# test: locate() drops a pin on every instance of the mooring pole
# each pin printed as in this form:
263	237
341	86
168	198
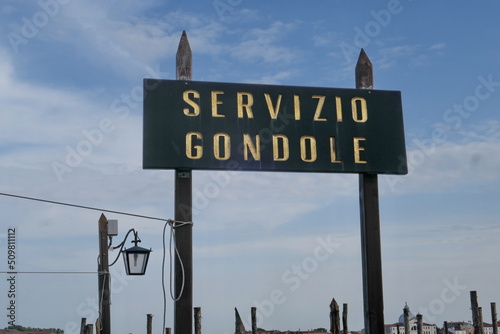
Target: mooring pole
183	308
494	317
475	312
103	278
370	226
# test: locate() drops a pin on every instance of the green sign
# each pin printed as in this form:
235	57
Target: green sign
212	125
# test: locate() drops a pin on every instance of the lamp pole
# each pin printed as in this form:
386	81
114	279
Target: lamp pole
103	272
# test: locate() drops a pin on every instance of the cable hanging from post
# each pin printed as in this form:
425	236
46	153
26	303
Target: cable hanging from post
173	226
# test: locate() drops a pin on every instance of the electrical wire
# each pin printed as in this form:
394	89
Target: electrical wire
48	272
82	206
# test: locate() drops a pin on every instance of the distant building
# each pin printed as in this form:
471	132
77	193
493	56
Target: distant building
488	328
460	327
463	327
290	332
399	327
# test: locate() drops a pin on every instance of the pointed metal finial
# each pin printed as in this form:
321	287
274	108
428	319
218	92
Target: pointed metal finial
364	72
184	59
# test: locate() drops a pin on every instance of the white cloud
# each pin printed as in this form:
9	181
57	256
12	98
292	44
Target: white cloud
276	78
450	166
326	39
262	44
438	47
391	55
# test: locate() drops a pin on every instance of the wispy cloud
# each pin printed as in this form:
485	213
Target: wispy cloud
262	44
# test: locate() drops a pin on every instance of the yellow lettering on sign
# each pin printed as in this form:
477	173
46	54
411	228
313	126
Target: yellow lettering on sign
196	108
358	149
319	107
250	147
193	151
333	151
273	110
244	106
296	107
308	143
222	146
280	143
338	108
357	116
215	103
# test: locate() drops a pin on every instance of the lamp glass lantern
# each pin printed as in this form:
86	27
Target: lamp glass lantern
136	260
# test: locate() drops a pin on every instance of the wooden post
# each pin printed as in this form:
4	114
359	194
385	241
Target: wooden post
149	326
373	298
494	320
239	326
406	312
334	317
103	274
197	320
183	308
475	314
82	325
253	312
89	329
480	319
445	327
420	325
344	319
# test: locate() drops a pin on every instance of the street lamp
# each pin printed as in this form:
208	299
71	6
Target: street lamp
135	258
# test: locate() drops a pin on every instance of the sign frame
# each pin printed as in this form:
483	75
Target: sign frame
192	125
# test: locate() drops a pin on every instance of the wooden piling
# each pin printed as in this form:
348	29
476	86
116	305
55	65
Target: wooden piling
406	315
480	319
183	307
345	327
475	314
89	329
82	325
494	320
445	326
149	325
239	326
334	317
371	254
197	320
253	312
420	324
104	277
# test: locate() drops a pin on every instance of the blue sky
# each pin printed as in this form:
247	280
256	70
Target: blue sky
69	69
